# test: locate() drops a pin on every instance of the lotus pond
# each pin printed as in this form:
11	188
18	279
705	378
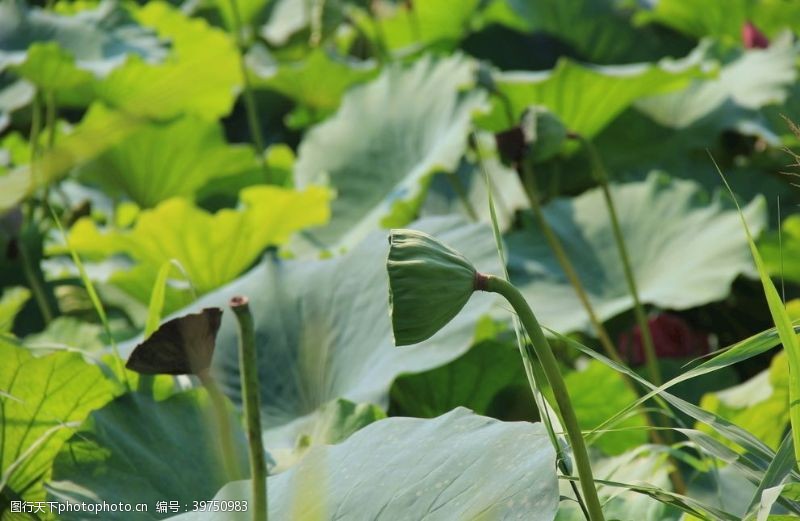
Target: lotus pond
399	260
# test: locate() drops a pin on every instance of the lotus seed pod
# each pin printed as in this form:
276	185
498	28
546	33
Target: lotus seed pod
429	283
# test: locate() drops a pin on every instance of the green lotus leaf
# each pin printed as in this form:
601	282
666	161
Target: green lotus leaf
780	250
685	247
593	407
597	31
130	450
287	19
757	78
457	466
212	248
200	76
429	283
51	68
169	171
646	465
722	20
43	400
58	51
759	404
11	302
68	332
323	330
432	23
316	83
15	93
332	423
585	97
475	380
447	191
417	119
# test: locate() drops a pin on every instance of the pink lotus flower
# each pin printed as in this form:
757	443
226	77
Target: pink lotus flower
753	38
672	337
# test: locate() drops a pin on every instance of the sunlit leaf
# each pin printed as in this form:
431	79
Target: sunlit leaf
49	397
200	75
212	248
760	404
593	406
585	97
130	450
169	170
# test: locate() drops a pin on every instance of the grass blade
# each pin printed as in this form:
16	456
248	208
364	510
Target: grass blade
783	323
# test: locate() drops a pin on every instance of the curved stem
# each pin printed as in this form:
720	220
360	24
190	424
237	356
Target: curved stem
641	317
248	366
249	98
550	367
524	350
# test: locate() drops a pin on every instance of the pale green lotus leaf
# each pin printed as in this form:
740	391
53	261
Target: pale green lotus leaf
686	248
417	118
140	450
57	47
323	330
332	423
15	93
456	466
757	78
11	302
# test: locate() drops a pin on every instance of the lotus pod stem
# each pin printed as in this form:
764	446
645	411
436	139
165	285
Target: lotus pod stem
502	287
248	365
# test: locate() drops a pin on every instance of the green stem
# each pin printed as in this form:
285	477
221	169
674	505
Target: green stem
532	191
550	366
50	111
461	192
248	365
249	98
32	276
524	351
566	265
33	139
223	424
641	317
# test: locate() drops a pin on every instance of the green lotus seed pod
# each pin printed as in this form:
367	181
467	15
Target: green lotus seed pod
429	283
